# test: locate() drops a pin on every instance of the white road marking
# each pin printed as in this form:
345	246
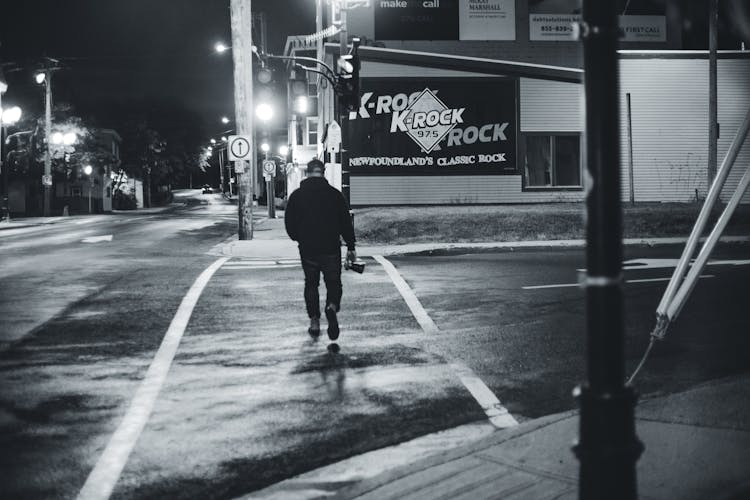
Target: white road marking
106	472
565	285
248	266
497	414
97	239
638	264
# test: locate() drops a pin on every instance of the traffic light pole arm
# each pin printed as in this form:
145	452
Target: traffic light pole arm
313	70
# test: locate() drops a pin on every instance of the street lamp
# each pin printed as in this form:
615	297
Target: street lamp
40	78
221	48
264	111
224	119
265	147
283	150
87	170
212	141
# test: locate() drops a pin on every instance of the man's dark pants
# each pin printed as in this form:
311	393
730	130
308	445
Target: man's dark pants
330	266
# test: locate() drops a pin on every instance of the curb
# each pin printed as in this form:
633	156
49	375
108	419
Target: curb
452	248
501	436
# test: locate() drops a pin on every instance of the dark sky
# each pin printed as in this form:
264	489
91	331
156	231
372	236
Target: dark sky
117	50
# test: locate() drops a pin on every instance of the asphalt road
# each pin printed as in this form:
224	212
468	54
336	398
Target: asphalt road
249	398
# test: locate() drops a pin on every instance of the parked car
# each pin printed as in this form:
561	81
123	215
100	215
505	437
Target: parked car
207	189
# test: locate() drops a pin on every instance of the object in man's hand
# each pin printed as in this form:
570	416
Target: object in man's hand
357	266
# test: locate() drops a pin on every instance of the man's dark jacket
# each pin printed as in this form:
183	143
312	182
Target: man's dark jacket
316	214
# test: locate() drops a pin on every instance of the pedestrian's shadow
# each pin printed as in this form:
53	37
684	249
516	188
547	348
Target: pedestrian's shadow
331	366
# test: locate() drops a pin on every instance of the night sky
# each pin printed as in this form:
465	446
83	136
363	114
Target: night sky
119	51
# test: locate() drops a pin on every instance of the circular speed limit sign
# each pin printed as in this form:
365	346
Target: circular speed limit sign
238	147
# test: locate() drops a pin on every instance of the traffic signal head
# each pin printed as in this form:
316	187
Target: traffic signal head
349	81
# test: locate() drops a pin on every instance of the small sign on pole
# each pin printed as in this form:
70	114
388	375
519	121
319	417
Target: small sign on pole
269	167
333	137
46	180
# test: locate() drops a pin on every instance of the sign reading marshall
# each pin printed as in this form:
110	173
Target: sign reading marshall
446	126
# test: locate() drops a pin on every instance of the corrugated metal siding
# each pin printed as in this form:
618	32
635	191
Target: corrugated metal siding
449	190
669	99
548	106
669	116
734	102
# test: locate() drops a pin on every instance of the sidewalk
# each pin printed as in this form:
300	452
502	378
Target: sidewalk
697	446
697	443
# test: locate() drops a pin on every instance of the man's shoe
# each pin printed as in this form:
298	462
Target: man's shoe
314	329
333	323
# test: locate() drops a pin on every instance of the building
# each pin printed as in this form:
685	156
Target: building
483	103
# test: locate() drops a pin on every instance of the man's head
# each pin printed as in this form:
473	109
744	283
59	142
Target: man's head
315	168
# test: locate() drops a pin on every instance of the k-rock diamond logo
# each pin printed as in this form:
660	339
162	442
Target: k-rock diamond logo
427	120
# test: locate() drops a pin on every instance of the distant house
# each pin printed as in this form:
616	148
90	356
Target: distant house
75	193
73	190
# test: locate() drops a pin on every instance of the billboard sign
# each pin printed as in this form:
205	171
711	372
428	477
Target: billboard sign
553	20
487	20
446	126
416	19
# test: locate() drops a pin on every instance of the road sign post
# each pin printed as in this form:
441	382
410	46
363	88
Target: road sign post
269	172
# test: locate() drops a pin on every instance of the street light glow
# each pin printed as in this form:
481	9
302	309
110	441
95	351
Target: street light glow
40	77
69	138
10	116
220	47
224	119
57	138
283	150
265	147
264	111
213	141
87	170
300	104
224	138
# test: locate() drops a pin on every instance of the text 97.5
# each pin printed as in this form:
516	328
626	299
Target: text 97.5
426	133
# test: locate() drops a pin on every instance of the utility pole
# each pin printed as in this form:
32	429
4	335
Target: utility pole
242	54
221	170
48	138
607	447
713	125
320	56
344	115
4	168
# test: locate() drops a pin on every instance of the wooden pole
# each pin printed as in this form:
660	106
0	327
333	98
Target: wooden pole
242	54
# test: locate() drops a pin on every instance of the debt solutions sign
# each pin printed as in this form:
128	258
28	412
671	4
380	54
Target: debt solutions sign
435	127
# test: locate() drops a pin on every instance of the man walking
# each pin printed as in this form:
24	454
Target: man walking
316	215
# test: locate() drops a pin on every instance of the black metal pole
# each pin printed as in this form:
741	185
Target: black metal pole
607	448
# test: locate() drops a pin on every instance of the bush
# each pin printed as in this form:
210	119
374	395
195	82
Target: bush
124	201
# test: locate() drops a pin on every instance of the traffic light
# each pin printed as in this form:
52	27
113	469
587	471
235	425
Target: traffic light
348	81
298	95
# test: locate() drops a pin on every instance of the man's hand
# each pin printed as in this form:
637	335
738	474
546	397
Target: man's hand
351	256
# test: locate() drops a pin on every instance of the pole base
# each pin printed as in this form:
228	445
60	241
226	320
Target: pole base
608	447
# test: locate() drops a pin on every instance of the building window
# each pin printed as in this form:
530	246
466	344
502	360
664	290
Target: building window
552	160
311	131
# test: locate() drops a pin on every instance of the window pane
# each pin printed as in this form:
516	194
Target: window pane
538	160
567	160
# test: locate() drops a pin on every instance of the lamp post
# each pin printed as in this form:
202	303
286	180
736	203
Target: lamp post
87	170
7	117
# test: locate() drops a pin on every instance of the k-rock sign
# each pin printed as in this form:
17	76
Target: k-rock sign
239	147
406	126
